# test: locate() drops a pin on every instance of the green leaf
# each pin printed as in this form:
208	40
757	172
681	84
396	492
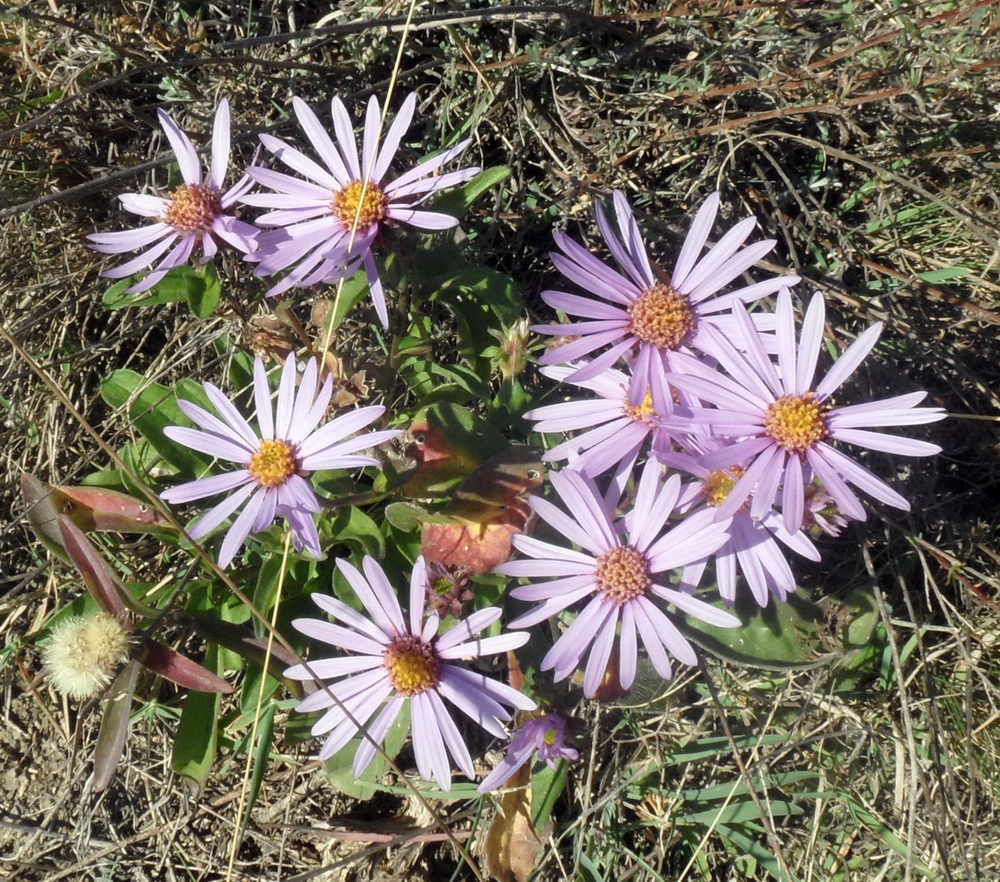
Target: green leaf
547	786
863	816
487	288
166	292
197	737
740	812
352	292
261	755
457	201
340	767
152	407
353	525
204	290
405	516
752	846
778	637
945	274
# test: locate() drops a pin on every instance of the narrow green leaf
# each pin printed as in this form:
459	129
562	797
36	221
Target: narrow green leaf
946	274
547	785
752	847
170	291
457	201
197	737
261	755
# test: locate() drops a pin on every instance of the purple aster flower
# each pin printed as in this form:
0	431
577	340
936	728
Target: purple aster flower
628	413
752	547
194	213
821	512
332	219
545	736
276	459
783	422
395	661
638	313
621	576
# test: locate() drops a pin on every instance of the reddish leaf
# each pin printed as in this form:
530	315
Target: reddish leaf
247	646
96	508
179	669
42	514
476	548
114	726
474	531
100	581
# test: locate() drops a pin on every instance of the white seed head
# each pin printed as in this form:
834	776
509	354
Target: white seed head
84	653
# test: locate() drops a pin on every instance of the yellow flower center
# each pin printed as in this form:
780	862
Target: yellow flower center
796	422
718	485
348	204
622	574
412	665
193	207
273	464
642	413
662	317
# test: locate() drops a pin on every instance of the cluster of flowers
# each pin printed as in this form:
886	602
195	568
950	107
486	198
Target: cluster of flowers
687	383
326	226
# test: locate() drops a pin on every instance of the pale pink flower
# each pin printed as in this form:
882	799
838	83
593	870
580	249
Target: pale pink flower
331	219
193	215
394	661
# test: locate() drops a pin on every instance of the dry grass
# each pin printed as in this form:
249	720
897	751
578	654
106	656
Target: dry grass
864	138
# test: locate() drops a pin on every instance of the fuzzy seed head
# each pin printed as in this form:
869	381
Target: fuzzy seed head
84	653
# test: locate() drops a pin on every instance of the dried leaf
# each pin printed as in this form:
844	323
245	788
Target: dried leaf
512	843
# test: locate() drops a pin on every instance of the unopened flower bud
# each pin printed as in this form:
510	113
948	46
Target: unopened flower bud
512	351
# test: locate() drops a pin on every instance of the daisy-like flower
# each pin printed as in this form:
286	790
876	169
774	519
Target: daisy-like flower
783	423
195	213
639	314
396	661
544	736
275	460
627	413
752	547
621	575
332	219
